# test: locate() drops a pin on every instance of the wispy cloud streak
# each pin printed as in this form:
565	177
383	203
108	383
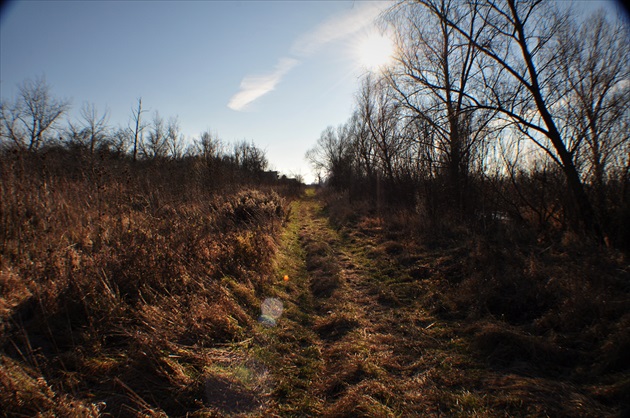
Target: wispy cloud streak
337	27
255	86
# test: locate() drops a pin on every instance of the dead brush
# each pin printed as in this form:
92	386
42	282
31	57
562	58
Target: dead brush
252	207
553	311
339	208
25	393
499	281
550	312
99	294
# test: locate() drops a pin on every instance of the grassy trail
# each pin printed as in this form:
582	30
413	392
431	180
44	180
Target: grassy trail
356	338
353	341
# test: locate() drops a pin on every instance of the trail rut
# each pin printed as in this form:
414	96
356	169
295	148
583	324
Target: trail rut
351	334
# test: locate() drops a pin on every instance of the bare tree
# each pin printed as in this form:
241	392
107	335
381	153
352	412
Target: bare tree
593	61
433	78
208	147
363	147
92	129
249	157
380	113
332	155
137	127
520	81
155	145
120	140
30	119
174	139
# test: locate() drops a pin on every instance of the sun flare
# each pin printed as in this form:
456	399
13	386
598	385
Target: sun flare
375	51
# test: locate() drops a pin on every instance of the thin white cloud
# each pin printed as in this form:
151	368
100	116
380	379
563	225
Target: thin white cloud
255	86
338	27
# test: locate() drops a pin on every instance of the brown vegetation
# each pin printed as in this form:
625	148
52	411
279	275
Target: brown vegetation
480	191
127	293
527	327
468	256
120	280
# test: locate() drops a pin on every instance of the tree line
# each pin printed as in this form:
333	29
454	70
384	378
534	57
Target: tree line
32	123
493	108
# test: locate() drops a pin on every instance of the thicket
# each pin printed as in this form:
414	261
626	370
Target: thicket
493	113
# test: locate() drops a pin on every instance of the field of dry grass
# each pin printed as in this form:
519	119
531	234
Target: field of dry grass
122	289
133	291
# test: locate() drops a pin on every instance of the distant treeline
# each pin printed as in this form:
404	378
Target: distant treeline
493	111
31	124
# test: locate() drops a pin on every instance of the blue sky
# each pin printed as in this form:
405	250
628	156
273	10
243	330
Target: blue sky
275	72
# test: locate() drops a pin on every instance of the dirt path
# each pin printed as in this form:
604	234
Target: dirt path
352	341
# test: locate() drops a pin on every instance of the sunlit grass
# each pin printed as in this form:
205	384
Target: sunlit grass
159	304
132	288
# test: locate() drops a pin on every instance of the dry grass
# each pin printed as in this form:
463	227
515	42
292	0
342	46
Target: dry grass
131	291
482	324
321	263
117	282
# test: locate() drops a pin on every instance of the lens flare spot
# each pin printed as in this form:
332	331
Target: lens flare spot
271	310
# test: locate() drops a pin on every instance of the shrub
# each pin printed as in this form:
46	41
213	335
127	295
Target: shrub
252	207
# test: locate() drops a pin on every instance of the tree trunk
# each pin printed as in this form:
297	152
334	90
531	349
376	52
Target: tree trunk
586	215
